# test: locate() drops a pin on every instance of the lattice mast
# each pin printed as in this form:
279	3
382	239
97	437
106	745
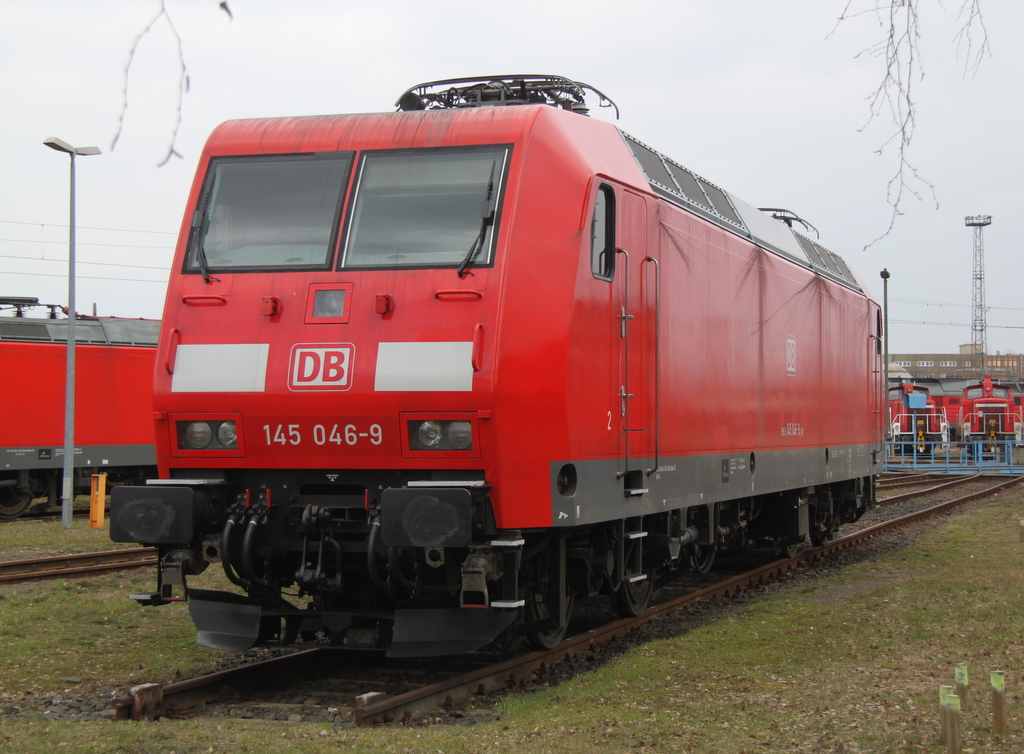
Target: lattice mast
978	312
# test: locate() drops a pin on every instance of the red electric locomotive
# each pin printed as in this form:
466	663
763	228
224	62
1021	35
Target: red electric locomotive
915	420
113	404
989	413
426	377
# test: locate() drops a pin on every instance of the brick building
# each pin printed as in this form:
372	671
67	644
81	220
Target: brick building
1008	366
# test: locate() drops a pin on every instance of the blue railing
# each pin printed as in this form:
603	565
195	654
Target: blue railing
955	457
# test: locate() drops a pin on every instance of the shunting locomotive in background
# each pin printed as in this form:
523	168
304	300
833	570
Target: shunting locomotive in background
426	377
113	403
916	421
988	412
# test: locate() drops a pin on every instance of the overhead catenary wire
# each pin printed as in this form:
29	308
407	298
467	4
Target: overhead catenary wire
110	245
951	324
87	227
163	267
946	303
144	248
162	281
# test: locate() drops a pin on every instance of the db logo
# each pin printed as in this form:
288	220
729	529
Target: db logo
321	366
791	355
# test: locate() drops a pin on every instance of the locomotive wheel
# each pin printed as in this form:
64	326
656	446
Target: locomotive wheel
631	599
784	548
823	533
538	609
13	502
701	557
824	521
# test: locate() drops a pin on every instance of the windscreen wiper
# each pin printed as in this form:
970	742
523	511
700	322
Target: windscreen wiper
486	218
201	255
200	224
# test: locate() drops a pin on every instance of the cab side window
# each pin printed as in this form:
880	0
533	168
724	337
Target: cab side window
602	234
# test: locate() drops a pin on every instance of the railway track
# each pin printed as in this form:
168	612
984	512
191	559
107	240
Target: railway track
82	564
896	482
923	485
376	708
44	512
46	515
49	515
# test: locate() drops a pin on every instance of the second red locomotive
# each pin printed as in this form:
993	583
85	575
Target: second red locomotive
427	377
113	404
988	412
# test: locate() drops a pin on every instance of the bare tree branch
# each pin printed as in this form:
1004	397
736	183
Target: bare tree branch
183	86
127	68
183	80
901	52
900	49
973	25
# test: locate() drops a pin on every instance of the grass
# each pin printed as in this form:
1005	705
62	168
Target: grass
851	663
87	628
39	538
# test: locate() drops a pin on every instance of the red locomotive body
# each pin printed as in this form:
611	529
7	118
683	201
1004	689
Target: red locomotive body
113	405
989	413
442	371
915	419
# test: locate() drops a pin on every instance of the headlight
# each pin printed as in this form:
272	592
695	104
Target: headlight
198	435
440	434
212	434
429	434
227	435
460	435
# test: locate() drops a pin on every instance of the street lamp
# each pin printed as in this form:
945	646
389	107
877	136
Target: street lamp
67	494
885	334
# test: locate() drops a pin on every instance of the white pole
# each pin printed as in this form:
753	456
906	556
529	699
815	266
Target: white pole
67	495
67	490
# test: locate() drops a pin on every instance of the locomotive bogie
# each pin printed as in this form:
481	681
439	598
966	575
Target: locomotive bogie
499	366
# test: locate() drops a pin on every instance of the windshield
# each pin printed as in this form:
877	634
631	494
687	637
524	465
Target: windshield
269	212
973	393
426	208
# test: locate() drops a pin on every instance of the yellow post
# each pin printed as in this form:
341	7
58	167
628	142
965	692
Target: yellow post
97	501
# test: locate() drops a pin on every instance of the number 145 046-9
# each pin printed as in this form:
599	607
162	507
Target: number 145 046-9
338	434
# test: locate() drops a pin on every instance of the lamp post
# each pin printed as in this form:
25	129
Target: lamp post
67	493
885	335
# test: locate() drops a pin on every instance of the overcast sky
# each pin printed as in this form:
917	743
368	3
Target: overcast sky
767	98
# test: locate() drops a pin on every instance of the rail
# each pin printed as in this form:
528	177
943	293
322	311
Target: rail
80	564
